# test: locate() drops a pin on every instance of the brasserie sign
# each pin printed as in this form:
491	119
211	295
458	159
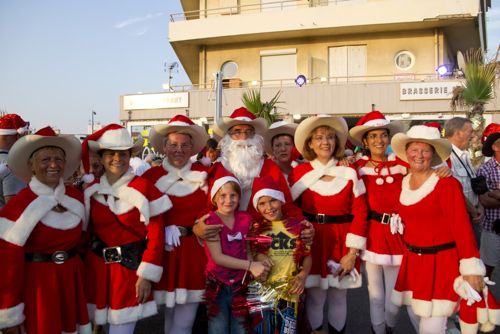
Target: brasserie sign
427	90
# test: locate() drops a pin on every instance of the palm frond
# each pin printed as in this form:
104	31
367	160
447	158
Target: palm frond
253	102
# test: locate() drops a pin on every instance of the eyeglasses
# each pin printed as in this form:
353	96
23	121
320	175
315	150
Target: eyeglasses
242	133
181	147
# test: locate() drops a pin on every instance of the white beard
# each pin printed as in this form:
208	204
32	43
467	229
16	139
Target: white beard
243	158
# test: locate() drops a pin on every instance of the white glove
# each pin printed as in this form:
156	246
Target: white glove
334	266
464	290
396	224
172	237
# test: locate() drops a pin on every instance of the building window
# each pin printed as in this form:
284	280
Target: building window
278	66
404	60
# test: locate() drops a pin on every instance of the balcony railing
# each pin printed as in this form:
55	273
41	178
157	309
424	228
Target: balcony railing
254	8
366	79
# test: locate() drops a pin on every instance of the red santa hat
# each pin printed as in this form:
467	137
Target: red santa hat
111	137
265	186
221	177
238	117
424	134
180	124
278	129
24	148
373	120
12	124
490	134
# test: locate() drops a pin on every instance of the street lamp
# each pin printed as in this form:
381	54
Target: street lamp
92	122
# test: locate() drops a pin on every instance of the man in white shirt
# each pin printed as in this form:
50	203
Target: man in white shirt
458	130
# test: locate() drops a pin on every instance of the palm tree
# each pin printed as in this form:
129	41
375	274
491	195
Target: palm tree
252	101
476	91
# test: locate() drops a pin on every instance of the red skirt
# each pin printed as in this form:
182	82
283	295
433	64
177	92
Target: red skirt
383	247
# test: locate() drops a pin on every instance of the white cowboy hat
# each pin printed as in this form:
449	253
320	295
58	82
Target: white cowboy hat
338	124
178	123
373	120
424	134
23	149
238	117
275	129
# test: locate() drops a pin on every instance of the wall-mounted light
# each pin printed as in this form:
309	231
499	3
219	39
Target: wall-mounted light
443	70
301	80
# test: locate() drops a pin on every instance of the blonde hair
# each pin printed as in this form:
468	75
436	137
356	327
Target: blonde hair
308	153
235	186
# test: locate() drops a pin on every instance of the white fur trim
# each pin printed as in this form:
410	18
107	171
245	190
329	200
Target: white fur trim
487	327
311	180
381	259
424	308
316	281
159	206
150	271
220	182
61	220
132	314
276	194
19	231
179	123
410	197
398	169
88	178
12	316
181	182
115	139
99	316
466	328
377	122
84	329
179	296
7	132
494	316
243	118
355	241
472	266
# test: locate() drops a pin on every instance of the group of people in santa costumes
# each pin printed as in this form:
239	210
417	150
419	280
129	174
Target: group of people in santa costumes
140	235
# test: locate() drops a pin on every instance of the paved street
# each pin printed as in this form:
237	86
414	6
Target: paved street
358	315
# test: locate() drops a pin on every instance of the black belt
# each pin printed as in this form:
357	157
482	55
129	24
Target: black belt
431	249
185	231
128	255
383	218
321	218
58	257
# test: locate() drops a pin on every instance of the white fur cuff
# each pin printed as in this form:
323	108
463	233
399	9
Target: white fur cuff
355	241
472	266
13	316
150	271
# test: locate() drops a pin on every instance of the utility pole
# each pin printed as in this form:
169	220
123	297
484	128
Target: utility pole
92	122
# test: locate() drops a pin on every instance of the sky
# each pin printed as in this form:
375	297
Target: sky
62	59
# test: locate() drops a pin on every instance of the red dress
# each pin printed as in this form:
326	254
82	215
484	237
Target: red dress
382	247
48	297
433	215
342	196
127	211
184	279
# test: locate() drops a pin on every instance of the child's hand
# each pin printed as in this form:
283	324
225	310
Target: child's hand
258	268
297	284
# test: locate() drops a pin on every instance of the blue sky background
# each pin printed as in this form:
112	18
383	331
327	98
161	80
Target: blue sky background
61	59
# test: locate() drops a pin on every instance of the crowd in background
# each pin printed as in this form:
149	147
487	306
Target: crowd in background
256	230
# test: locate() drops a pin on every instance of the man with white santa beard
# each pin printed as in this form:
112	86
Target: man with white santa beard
242	153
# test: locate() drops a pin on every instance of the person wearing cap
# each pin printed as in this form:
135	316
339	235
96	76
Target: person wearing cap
12	127
126	233
439	242
332	197
382	175
490	233
41	285
290	257
210	153
182	285
278	144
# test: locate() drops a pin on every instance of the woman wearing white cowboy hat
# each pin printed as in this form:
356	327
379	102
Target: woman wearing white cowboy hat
127	236
183	284
40	230
439	241
332	197
278	144
382	175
